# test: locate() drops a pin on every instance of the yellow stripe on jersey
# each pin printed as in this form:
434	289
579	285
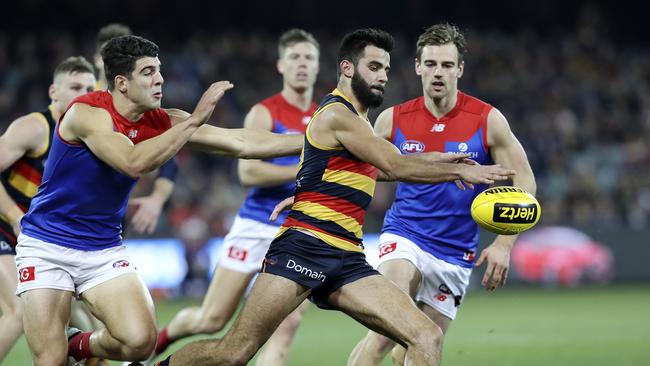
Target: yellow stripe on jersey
353	180
22	184
321	212
309	138
329	239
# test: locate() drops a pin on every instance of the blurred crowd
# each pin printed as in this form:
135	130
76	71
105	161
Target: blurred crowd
578	101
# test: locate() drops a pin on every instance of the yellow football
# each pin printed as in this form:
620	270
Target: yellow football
506	210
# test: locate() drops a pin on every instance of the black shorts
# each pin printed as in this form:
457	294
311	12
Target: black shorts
5	247
310	262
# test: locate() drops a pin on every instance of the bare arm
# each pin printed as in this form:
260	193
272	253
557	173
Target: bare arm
244	143
149	208
505	149
337	126
256	172
94	127
24	135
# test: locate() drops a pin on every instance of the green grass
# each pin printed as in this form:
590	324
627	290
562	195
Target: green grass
517	327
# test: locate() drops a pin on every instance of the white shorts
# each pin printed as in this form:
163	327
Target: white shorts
44	265
246	244
443	285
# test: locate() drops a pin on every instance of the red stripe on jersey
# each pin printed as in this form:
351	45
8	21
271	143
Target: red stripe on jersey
359	167
28	172
334	203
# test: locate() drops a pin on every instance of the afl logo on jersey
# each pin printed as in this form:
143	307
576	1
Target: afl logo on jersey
132	134
412	147
462	147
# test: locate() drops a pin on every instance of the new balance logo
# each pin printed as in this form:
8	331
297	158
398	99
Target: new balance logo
438	127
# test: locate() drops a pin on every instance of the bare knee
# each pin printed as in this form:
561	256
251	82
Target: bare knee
427	337
50	356
210	322
139	344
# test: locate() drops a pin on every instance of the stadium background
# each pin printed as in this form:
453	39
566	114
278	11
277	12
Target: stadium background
573	79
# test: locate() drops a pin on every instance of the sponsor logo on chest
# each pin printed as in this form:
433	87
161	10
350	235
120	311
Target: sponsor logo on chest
461	148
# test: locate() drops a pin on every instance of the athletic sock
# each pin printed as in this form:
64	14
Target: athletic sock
79	346
162	342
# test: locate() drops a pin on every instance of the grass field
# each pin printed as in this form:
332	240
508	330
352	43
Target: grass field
513	327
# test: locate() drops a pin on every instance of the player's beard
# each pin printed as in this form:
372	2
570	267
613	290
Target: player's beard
363	92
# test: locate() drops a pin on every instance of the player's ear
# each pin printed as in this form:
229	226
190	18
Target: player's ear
461	68
347	68
121	83
417	67
51	92
280	66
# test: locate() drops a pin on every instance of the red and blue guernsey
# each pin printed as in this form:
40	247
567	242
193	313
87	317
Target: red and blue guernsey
437	217
287	119
82	200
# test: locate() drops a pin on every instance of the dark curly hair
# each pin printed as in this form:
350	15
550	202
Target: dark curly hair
121	53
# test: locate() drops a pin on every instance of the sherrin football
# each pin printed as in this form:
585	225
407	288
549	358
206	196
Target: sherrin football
506	210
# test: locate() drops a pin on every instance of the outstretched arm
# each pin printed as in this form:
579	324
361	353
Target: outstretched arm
338	126
259	173
25	135
505	149
94	127
243	143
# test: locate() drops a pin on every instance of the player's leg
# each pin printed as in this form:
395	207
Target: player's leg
241	257
270	301
383	307
399	353
276	350
45	316
440	295
372	349
45	288
80	317
124	305
219	304
11	318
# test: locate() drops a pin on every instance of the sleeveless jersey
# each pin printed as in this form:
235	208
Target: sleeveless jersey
23	177
82	200
333	189
437	216
287	119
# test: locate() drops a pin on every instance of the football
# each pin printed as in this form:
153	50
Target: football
506	210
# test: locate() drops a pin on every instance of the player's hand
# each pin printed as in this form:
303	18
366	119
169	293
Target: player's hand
209	100
487	174
285	204
498	263
146	215
460	183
